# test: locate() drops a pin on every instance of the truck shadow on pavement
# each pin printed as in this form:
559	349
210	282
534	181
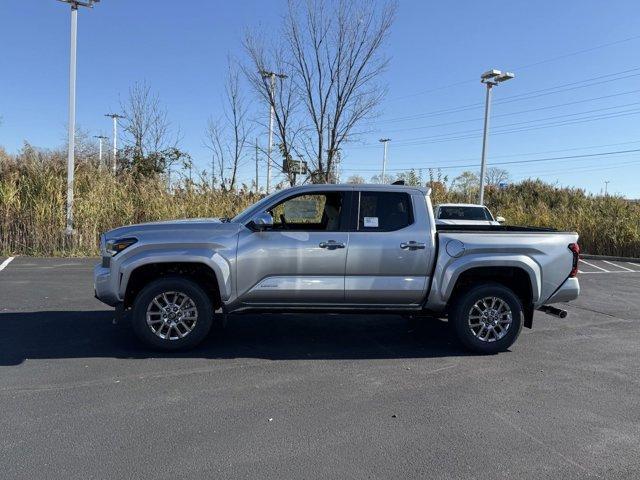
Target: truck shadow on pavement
78	334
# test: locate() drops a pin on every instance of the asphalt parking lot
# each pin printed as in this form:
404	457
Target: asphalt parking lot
326	396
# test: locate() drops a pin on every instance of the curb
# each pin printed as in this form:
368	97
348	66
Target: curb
586	256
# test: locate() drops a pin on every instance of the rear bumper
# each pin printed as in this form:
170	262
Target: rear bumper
568	291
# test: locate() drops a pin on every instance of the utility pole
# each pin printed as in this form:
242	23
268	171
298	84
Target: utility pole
490	78
100	139
272	99
384	141
72	106
257	188
606	187
114	117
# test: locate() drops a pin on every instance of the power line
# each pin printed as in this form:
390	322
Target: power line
547	107
523	154
578	170
468	134
513	162
578	52
523	96
518	113
522	67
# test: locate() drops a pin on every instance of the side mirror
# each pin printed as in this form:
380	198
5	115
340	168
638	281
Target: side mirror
262	221
500	219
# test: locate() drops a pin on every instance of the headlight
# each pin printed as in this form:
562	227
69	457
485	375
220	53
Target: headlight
113	247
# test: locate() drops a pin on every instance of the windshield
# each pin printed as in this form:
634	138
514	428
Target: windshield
247	213
464	213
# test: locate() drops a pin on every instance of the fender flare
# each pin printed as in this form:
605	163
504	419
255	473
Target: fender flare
212	259
452	272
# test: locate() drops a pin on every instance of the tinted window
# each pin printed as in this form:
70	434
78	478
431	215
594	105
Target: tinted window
463	213
310	212
384	211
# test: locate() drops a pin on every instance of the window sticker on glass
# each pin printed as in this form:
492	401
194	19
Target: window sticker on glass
371	222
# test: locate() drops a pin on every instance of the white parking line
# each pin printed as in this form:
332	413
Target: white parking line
602	273
619	266
635	265
4	264
594	266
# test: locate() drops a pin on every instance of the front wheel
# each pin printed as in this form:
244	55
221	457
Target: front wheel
172	313
487	318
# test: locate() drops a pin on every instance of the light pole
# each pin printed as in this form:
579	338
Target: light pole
490	78
115	118
72	106
606	187
272	99
100	139
384	141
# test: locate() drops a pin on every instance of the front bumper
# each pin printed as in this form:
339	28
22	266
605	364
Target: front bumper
568	291
105	286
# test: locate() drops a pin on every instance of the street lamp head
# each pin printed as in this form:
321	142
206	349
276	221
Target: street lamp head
384	140
504	77
78	3
489	74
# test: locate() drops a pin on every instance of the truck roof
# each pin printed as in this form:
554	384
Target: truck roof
361	186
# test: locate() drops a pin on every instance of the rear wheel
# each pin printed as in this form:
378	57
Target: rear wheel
487	318
172	313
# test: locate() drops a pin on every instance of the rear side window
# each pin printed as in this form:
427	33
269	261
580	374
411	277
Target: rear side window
384	211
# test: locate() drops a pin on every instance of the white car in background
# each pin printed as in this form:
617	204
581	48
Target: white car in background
465	214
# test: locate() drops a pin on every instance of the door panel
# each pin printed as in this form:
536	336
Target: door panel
386	264
290	267
301	259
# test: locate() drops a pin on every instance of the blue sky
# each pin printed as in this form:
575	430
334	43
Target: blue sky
433	110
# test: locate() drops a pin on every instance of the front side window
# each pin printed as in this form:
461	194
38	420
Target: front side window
384	211
310	212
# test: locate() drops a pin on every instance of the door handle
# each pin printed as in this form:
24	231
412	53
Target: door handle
331	244
412	245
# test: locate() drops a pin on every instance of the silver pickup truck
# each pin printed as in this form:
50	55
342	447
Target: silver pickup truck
319	248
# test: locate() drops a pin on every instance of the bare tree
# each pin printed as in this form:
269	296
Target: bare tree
146	125
495	176
283	97
227	138
355	179
332	56
150	143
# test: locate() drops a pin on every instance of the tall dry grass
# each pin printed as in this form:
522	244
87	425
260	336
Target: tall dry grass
32	208
33	200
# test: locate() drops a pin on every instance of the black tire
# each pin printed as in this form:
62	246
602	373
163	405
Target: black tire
195	292
459	318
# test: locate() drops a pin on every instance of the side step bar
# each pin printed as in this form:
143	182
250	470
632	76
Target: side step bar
556	312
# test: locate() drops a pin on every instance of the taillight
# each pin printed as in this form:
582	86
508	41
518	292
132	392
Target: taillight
575	249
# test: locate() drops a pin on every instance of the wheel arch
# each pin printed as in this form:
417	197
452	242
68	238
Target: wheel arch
514	278
136	274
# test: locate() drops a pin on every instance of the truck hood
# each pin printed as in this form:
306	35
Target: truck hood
175	229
